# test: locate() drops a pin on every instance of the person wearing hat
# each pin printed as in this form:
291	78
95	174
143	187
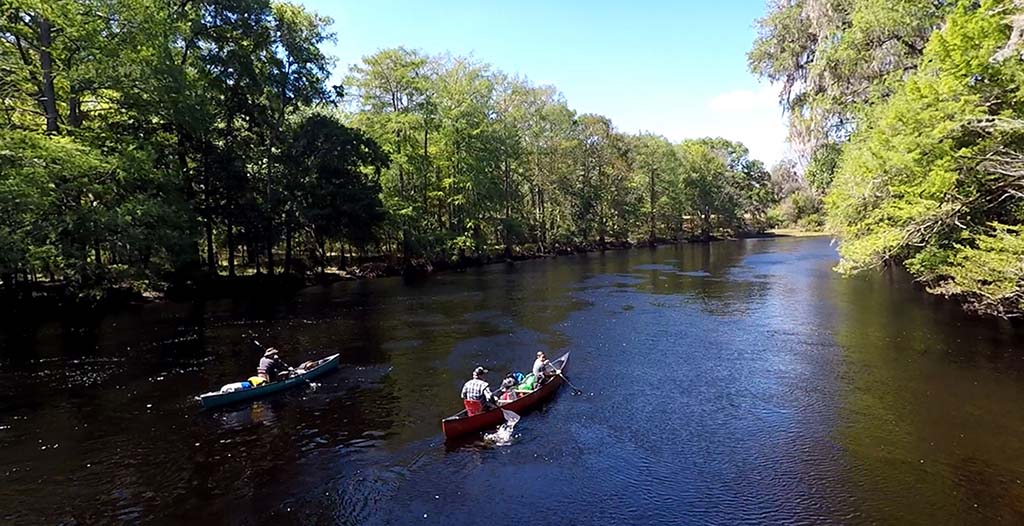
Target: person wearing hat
270	366
476	392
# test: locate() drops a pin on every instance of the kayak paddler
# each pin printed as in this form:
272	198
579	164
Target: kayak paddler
271	367
476	393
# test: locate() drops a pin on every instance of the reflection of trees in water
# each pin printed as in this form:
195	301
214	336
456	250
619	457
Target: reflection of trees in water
712	275
431	334
930	406
396	382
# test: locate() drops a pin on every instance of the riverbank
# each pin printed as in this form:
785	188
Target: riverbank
48	299
795	232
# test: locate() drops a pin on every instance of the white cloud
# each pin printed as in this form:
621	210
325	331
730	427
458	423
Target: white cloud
744	100
752	117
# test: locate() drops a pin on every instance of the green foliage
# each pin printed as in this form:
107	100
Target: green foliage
129	127
833	58
911	114
721	187
656	170
482	159
142	140
822	167
802	209
69	200
332	181
936	163
987	271
705	194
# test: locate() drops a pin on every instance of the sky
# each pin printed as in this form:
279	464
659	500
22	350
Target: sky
672	67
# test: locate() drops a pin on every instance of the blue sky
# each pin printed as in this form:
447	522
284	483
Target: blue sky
677	68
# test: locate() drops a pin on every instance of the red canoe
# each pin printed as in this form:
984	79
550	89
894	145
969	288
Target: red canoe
462	424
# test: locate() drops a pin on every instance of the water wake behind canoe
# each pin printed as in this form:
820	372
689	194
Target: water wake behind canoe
503	436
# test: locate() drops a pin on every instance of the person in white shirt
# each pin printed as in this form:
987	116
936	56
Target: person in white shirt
542	368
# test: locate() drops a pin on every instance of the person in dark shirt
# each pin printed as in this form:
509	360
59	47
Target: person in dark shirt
508	388
271	367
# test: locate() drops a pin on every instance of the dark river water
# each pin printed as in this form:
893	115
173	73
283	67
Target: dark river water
737	383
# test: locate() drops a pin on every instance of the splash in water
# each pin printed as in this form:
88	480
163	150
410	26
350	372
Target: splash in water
503	436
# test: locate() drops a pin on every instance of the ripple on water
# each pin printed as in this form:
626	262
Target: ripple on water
734	383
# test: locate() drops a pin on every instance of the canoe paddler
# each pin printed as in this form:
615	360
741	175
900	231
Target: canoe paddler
270	366
508	388
476	393
542	368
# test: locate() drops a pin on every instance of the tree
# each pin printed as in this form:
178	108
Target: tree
655	163
705	191
822	167
549	142
101	210
932	179
333	180
298	71
833	57
604	193
392	88
141	139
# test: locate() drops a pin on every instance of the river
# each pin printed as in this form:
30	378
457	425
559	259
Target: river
737	382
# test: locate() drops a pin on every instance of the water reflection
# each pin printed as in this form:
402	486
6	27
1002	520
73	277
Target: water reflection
931	398
720	279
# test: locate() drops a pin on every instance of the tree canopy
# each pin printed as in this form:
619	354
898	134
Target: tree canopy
927	168
142	140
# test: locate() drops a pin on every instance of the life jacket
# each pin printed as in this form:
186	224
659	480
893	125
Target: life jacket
256	381
473	407
528	383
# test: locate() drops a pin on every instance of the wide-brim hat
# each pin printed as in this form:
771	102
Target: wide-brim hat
480	371
270	352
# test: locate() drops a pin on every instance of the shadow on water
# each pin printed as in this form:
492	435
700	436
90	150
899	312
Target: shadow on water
726	383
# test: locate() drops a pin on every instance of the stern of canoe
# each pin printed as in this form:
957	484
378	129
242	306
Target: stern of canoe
454	426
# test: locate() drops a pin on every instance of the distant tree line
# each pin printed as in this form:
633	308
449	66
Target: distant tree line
145	140
480	159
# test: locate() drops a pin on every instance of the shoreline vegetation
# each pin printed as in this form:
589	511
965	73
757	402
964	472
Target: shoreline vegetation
150	149
145	145
796	232
910	116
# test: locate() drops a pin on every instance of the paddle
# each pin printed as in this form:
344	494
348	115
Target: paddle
290	368
575	390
